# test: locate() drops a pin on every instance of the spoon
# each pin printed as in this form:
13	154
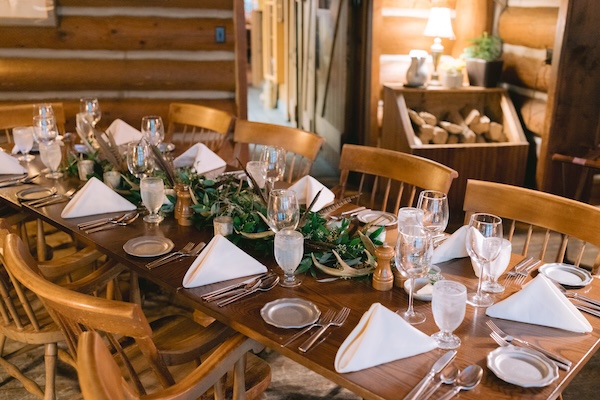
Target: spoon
253	284
447	377
265	284
467	380
127	221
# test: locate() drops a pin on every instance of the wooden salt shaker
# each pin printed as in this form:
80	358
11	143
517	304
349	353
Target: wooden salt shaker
383	277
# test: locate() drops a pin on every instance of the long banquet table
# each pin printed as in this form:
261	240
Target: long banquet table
388	381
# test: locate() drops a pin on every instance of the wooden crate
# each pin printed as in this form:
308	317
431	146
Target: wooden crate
498	162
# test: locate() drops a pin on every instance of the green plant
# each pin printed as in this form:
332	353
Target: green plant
486	47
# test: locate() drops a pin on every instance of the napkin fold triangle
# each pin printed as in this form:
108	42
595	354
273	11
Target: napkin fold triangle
95	197
381	336
453	247
10	165
306	189
201	158
123	133
540	302
221	260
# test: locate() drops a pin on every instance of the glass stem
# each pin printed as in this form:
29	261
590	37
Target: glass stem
480	281
410	310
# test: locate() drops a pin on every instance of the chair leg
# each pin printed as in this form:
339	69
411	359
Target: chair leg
50	356
41	241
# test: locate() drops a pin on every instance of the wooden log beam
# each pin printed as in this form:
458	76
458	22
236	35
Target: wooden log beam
529	27
209	4
526	72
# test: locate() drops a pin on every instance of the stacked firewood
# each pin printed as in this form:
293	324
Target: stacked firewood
473	127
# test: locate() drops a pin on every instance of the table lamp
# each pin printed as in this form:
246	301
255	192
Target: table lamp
438	26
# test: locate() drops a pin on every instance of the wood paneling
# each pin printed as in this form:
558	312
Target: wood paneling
208	4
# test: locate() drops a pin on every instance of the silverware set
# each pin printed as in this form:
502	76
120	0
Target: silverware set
189	250
126	220
521	271
53	199
236	291
323	319
263	285
337	320
19	180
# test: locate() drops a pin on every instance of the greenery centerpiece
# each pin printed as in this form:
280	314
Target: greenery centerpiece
484	65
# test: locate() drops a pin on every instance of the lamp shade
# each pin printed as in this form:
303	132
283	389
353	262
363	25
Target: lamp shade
440	23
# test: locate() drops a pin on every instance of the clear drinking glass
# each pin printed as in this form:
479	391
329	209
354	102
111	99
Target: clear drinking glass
283	211
139	159
410	216
275	159
413	256
448	303
152	190
90	107
435	211
51	155
23	137
483	243
289	249
43	110
153	129
497	268
258	170
44	129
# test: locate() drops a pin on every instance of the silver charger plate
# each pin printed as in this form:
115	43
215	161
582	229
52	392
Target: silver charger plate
384	218
148	246
522	367
566	274
290	313
35	193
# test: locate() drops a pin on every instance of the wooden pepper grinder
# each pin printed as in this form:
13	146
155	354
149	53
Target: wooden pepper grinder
383	277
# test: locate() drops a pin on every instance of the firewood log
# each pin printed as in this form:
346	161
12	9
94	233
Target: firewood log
472	117
482	126
440	135
451	128
428	118
415	118
468	136
495	132
453	139
426	133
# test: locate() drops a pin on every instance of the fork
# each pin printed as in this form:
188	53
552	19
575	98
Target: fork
192	253
523	274
339	320
324	319
188	247
54	199
512	274
561	362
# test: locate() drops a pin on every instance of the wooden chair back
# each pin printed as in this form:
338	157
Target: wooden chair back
391	177
192	123
561	220
22	115
302	147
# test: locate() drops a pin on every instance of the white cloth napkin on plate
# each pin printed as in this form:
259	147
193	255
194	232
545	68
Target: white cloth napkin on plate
201	158
221	260
453	247
95	197
540	302
499	265
123	133
306	189
10	165
381	336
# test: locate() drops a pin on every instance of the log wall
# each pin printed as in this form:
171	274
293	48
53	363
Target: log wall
136	56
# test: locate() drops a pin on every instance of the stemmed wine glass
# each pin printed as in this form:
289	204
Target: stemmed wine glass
448	304
23	137
43	110
483	243
435	211
91	108
413	256
152	190
139	159
283	211
289	249
153	129
51	155
410	216
275	159
44	129
497	268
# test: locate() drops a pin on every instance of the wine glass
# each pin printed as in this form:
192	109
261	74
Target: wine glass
289	249
43	110
483	243
153	129
413	256
90	107
435	211
152	190
497	268
51	155
283	211
410	216
139	161
258	171
44	129
448	303
23	137
275	159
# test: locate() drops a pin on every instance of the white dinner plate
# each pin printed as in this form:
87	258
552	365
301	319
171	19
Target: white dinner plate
290	313
566	274
35	193
381	218
148	246
522	367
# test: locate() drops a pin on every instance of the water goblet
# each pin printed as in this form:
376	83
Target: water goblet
413	257
435	210
448	303
152	190
139	161
275	159
51	155
90	107
153	129
283	211
43	110
44	129
23	137
289	249
497	268
410	216
483	243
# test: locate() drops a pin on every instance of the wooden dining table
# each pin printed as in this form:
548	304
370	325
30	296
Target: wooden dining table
391	380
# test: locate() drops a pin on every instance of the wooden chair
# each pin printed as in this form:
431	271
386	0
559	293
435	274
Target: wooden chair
302	147
22	115
152	354
191	123
399	175
529	211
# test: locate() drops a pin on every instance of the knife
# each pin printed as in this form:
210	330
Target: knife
439	365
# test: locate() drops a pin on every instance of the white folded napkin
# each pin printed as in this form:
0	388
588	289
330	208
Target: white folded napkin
306	189
95	197
540	302
499	265
453	247
123	133
201	158
219	261
10	165
381	336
